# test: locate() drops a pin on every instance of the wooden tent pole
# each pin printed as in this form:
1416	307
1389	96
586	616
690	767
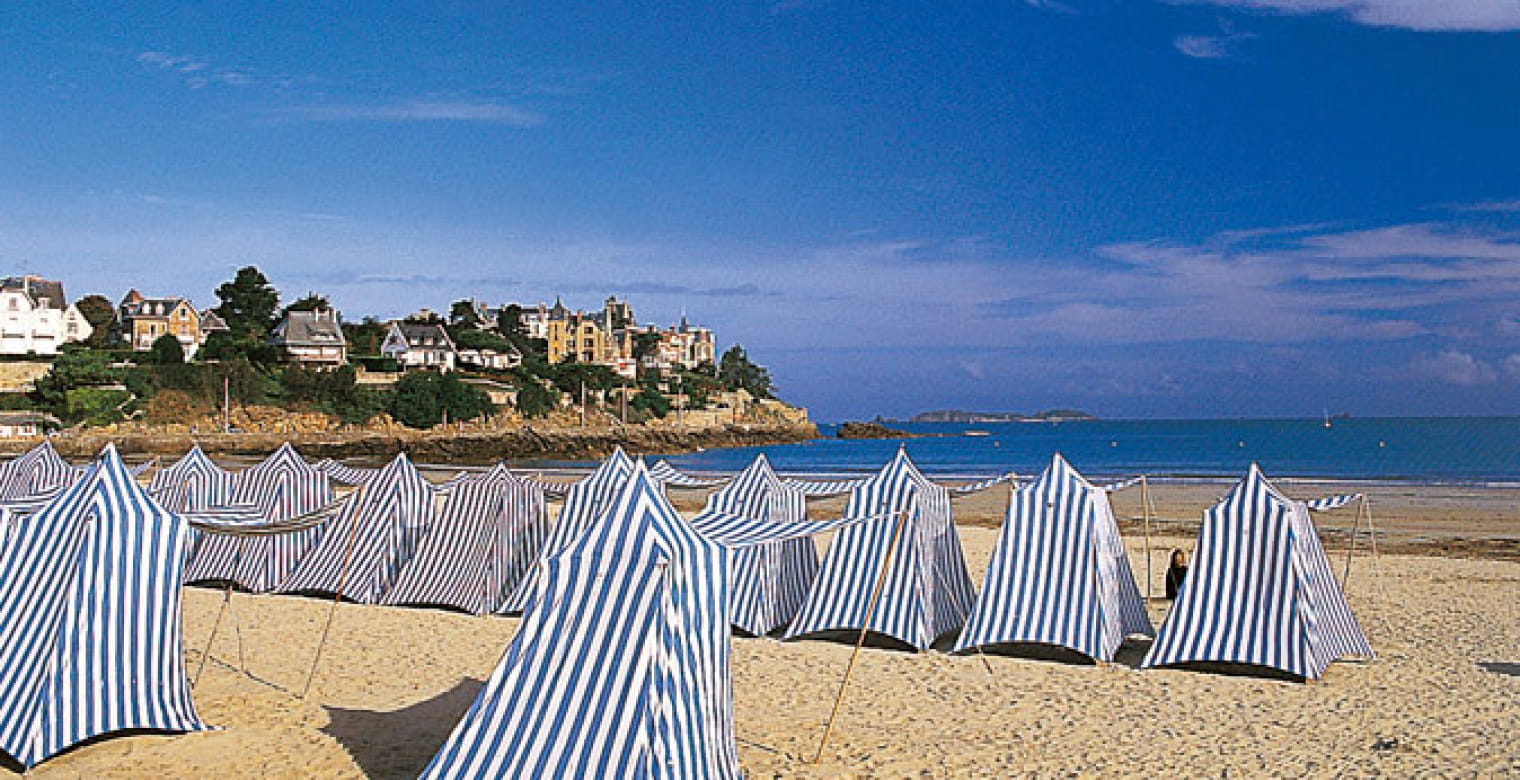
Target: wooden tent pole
348	552
1145	513
881	580
216	624
1356	525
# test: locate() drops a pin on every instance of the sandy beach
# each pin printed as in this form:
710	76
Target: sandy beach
1442	700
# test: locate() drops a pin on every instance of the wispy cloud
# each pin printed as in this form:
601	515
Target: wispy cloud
1489	206
1454	368
196	73
1220	46
417	111
1421	15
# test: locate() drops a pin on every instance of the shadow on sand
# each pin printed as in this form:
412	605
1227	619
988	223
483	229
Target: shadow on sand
1500	667
400	743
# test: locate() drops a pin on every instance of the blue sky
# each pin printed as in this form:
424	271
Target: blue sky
1144	208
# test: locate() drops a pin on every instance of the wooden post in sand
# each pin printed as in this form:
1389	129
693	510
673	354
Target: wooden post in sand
348	554
881	581
1356	525
1145	513
205	654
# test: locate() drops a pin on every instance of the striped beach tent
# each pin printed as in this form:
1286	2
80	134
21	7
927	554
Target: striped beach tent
345	474
282	486
927	591
1260	592
586	501
375	533
666	473
767	581
37	472
621	666
192	483
813	488
90	632
1059	574
488	534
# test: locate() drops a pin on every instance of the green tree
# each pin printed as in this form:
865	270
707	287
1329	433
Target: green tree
249	303
75	367
650	401
509	321
166	351
364	337
736	372
462	314
309	302
224	345
101	314
535	400
423	398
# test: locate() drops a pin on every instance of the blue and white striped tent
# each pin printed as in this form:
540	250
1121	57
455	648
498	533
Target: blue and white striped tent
348	475
823	488
282	486
927	592
487	536
666	473
192	483
375	533
621	666
1259	591
586	501
1059	574
90	632
767	581
40	471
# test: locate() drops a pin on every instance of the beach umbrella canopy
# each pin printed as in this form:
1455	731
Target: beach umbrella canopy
927	591
1260	591
90	631
1059	574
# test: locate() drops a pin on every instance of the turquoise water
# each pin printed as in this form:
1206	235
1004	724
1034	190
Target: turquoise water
1425	450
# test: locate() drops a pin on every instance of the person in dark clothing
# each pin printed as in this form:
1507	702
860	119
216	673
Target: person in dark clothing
1175	574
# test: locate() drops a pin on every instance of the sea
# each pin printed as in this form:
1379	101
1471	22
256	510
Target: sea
1446	450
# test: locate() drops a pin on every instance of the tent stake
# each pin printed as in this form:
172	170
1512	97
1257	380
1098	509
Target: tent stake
881	581
348	552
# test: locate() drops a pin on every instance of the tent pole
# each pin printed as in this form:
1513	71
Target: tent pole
1356	525
1145	513
348	552
215	624
881	581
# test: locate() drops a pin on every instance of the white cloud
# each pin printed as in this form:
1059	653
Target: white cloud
1203	47
1512	366
1421	15
1452	367
1490	206
418	111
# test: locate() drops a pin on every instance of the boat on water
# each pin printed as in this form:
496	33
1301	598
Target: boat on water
976	432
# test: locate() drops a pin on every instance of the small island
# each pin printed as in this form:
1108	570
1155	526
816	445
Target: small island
959	416
869	430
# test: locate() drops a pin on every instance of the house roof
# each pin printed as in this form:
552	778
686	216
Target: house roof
419	335
320	328
210	321
135	306
36	288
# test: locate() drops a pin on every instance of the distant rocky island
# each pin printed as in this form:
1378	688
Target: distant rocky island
959	416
